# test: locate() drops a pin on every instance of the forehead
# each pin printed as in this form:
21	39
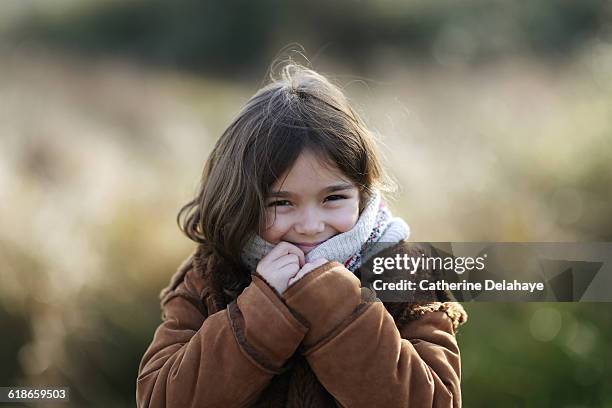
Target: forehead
308	174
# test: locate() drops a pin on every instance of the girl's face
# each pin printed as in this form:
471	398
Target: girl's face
310	204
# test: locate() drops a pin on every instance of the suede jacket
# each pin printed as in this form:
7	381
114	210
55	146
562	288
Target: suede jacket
325	342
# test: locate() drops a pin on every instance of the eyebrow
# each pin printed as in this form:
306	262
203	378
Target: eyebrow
329	189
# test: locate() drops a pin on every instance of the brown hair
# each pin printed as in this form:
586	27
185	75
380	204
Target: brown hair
300	110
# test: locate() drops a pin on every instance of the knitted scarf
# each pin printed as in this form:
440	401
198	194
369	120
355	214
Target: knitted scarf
351	248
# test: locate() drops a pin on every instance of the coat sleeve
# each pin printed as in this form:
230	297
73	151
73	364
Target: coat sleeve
359	355
222	360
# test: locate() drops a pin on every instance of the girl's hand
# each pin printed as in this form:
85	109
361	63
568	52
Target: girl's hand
306	269
280	265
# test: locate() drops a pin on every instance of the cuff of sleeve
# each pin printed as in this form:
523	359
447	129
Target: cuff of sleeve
264	326
324	297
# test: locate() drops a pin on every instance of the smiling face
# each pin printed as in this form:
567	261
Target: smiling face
310	204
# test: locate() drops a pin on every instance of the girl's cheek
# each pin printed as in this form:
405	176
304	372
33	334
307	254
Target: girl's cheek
347	224
345	218
276	228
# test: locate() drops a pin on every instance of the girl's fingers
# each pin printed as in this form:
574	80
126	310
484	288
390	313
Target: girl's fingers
307	268
285	248
298	276
289	270
319	261
313	265
285	260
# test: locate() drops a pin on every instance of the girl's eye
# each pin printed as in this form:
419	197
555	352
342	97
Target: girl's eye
335	197
279	203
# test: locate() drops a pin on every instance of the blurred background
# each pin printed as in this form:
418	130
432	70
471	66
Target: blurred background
494	118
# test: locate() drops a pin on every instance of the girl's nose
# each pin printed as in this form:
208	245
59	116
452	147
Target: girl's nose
310	223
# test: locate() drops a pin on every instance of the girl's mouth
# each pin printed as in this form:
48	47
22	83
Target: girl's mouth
307	247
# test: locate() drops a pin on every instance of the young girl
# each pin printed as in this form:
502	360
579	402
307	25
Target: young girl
269	310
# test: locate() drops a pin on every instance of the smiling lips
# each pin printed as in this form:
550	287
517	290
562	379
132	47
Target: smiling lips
306	247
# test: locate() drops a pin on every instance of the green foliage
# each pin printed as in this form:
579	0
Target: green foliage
239	36
507	360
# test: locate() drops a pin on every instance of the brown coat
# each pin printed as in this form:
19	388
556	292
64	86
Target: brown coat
325	342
